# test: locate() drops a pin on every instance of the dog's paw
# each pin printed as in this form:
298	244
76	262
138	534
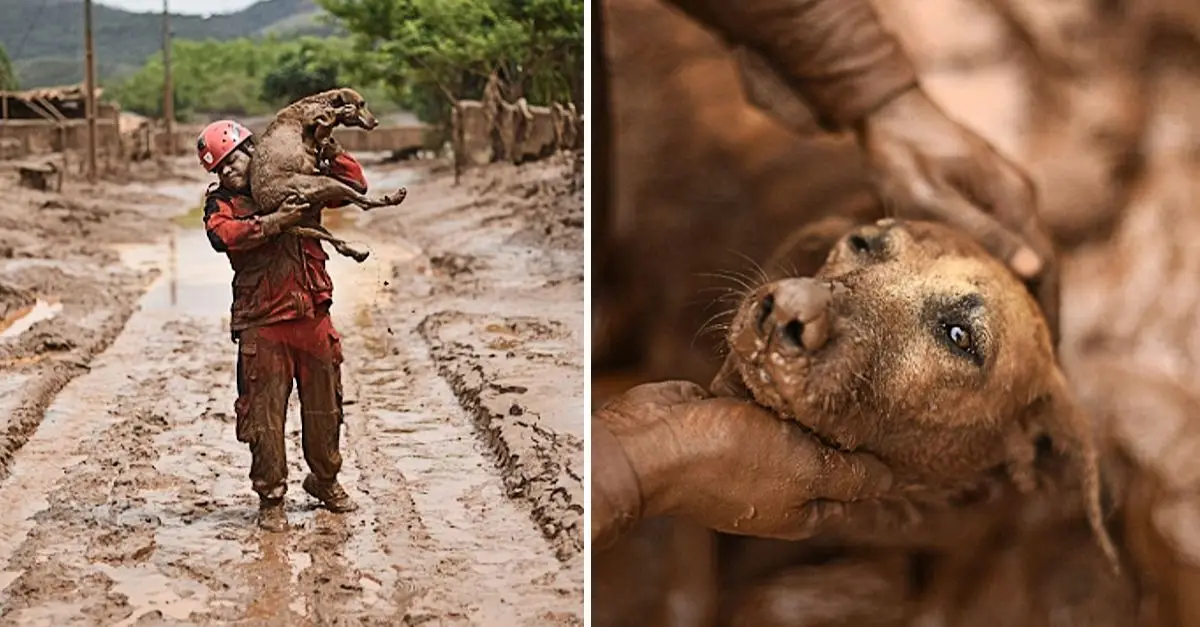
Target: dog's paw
398	197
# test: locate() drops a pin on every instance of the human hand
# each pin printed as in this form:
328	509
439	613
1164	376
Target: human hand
731	465
290	213
928	166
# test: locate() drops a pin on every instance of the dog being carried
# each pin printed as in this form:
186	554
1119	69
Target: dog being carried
292	162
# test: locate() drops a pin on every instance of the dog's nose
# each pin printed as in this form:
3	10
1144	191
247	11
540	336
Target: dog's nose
796	314
871	240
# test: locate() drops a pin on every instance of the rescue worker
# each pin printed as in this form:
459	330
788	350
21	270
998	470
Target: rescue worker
664	449
280	321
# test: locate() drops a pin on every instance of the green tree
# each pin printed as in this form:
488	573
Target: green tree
8	78
308	67
224	77
431	52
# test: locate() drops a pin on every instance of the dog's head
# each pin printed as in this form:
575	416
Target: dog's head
361	116
913	343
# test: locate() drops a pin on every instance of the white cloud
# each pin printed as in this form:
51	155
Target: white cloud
189	7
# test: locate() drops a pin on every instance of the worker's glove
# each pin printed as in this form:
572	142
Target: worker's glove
725	463
929	166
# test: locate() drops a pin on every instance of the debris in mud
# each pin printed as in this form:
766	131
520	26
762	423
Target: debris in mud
42	176
14	301
23	319
452	265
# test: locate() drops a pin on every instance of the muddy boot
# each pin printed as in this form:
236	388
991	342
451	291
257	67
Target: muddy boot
271	516
333	497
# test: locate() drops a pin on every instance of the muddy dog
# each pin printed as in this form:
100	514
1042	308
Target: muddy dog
291	158
914	344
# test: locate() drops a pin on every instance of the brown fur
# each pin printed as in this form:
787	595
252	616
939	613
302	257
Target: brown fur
291	156
890	381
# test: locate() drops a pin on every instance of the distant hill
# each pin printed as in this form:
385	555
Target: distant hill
51	52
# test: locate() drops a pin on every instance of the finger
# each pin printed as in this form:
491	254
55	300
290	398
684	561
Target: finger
993	185
1048	295
1013	200
662	393
948	206
1016	204
849	476
922	187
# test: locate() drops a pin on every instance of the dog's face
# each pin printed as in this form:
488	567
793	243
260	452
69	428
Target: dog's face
911	341
361	116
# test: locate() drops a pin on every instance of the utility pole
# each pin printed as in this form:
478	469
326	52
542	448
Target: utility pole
168	86
90	86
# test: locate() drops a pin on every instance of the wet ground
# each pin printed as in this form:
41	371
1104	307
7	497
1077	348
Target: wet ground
126	493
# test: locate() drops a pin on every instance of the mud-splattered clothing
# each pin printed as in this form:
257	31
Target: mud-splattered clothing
309	352
276	276
280	318
833	52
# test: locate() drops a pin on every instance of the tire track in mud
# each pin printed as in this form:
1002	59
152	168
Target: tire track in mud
536	462
44	360
500	281
466	546
147	510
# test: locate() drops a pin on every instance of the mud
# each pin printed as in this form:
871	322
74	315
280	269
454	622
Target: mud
512	404
129	502
55	250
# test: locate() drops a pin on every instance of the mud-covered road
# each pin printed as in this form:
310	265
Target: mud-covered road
125	497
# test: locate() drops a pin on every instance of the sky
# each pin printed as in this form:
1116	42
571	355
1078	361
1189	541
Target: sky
190	7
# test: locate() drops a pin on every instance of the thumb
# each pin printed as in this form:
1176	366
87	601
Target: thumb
849	476
952	208
664	393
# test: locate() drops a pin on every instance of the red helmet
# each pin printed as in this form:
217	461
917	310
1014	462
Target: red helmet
218	140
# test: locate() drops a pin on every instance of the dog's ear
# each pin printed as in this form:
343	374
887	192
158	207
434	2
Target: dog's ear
338	98
350	97
1056	425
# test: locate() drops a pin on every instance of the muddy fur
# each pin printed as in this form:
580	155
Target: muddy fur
292	156
892	380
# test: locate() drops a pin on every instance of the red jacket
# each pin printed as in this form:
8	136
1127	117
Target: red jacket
274	278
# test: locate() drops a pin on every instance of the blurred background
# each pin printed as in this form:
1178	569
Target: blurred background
694	188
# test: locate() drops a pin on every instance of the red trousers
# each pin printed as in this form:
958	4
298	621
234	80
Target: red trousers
309	352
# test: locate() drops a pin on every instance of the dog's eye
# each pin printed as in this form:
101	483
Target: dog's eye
961	338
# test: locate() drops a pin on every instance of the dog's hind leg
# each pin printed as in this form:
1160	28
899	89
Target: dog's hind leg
341	246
